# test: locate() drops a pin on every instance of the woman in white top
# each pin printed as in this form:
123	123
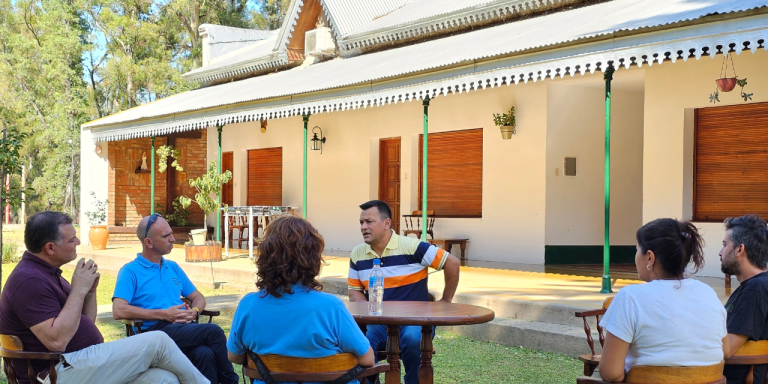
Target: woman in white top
672	320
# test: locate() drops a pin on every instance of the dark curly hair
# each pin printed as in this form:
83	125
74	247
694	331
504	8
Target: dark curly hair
291	253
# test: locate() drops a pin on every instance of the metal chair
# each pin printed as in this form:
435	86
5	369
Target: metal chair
12	348
299	370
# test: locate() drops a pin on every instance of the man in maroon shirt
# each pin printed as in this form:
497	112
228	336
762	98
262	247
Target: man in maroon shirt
48	314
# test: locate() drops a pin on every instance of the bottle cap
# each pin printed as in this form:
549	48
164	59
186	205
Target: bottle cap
376	261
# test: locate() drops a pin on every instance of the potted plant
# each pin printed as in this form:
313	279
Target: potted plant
98	235
506	123
208	188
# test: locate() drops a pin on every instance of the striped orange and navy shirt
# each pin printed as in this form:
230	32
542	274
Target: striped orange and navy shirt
404	262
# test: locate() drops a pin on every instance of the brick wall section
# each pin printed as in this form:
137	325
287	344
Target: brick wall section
193	160
129	192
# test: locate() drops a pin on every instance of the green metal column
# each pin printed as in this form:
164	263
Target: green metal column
424	171
218	212
608	77
304	199
152	189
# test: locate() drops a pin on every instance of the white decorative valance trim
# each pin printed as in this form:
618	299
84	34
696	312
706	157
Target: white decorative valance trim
565	62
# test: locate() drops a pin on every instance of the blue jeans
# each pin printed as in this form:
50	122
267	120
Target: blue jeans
410	347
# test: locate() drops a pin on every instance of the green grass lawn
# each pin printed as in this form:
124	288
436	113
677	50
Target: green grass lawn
462	360
458	359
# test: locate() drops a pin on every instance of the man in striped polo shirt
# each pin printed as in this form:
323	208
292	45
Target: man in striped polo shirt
404	261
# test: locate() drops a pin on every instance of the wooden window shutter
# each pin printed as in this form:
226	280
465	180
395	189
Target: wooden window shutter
455	173
730	162
265	177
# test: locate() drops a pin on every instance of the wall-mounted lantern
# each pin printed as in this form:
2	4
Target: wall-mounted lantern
98	150
263	126
317	143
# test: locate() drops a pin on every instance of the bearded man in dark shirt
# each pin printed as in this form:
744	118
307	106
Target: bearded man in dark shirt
48	314
745	255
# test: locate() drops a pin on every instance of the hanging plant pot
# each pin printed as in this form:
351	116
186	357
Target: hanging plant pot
726	84
507	131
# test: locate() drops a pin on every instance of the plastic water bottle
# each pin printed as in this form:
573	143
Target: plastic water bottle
376	289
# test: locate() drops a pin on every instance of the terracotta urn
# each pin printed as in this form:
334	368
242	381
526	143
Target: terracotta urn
726	84
98	236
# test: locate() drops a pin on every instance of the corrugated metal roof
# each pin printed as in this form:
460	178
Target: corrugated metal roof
253	53
418	10
347	15
595	20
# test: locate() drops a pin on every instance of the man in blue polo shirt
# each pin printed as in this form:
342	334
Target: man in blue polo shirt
151	288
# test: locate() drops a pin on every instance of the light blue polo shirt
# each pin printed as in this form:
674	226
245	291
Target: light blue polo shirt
306	323
148	285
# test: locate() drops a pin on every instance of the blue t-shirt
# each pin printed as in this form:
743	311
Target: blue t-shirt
147	285
306	323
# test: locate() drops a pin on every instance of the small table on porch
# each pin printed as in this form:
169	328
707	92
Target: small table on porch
423	313
446	244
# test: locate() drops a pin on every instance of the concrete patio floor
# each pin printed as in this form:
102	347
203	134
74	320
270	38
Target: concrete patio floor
514	282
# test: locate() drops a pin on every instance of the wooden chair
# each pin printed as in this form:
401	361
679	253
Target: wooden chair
299	370
12	348
138	323
751	353
236	222
711	374
413	223
591	361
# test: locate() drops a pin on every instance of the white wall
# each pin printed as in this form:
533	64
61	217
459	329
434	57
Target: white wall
94	176
576	128
345	175
672	91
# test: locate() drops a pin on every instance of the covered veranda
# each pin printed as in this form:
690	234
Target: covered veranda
348	90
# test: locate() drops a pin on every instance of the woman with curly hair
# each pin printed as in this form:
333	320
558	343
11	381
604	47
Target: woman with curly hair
290	316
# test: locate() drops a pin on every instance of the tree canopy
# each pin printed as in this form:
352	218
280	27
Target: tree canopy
66	62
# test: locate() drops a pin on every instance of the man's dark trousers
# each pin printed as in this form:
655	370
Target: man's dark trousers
206	347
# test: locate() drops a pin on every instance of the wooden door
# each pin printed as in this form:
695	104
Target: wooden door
265	177
227	190
389	177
